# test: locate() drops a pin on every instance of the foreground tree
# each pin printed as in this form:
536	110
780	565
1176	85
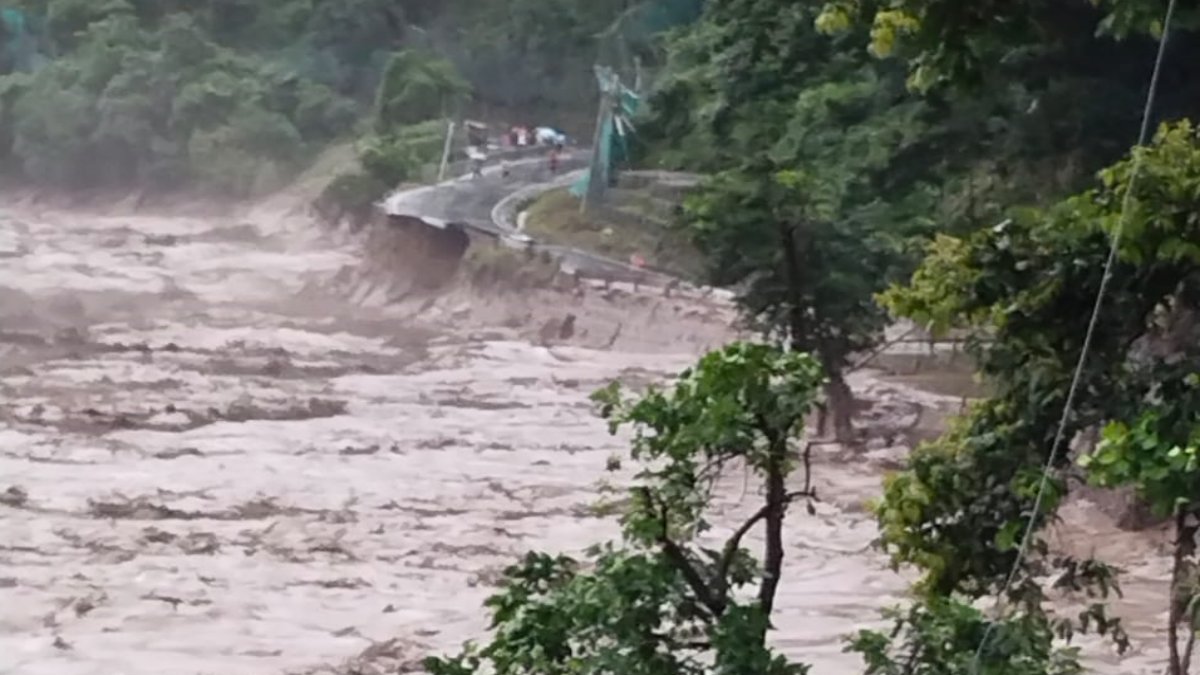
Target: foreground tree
958	510
417	86
663	600
822	168
808	231
940	636
1158	454
807	279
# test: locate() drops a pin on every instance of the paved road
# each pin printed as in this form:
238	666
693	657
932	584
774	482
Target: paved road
470	200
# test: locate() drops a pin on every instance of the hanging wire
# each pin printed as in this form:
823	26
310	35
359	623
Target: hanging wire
1087	340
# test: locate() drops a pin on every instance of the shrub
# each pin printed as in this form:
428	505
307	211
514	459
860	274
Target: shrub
417	86
350	197
390	159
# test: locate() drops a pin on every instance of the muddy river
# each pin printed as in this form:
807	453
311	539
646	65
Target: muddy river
220	452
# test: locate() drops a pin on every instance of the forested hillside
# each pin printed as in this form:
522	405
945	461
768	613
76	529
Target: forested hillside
230	94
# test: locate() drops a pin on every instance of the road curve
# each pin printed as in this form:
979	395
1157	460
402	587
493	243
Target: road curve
468	200
472	202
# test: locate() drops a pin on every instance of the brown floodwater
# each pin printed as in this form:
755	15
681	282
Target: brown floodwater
224	449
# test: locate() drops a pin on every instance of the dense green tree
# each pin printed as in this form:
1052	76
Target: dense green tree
808	139
959	508
1058	88
824	164
127	105
321	64
417	86
48	123
945	41
68	20
940	635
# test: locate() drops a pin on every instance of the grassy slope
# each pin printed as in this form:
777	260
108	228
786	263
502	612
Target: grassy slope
632	222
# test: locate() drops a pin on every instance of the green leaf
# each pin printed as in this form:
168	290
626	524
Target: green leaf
1005	538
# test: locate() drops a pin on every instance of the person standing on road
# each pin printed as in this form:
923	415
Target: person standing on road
554	160
477	157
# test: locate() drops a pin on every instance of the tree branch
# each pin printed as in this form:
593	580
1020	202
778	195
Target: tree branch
865	361
1186	666
776	503
735	541
733	546
806	457
680	561
1175	662
1188	545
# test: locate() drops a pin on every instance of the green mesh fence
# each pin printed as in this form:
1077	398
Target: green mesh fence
638	26
613	145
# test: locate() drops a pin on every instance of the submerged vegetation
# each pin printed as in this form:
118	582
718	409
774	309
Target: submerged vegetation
966	165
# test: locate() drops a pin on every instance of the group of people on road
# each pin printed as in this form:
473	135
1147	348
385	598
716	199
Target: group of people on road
518	137
521	136
529	136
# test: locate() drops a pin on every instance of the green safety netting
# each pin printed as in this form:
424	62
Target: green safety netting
636	26
614	130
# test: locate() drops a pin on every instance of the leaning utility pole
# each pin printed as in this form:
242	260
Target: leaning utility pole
598	171
446	152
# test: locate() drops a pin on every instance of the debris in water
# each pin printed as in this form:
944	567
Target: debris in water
15	496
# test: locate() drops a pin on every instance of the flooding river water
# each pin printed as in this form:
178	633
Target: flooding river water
212	462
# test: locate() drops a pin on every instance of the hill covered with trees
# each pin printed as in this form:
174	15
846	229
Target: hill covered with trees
234	95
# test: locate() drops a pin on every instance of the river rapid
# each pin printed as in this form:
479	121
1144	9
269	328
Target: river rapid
222	452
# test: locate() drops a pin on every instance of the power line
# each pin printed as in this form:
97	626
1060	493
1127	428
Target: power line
1138	158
